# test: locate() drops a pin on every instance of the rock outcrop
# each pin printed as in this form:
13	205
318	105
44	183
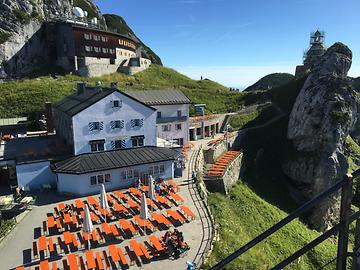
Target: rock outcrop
20	29
322	117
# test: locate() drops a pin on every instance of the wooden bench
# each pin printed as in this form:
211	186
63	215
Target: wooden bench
106	259
122	257
35	250
99	262
44	227
82	263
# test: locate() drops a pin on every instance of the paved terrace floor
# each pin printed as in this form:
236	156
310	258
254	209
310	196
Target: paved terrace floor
16	248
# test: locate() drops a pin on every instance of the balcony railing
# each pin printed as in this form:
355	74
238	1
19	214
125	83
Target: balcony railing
163	120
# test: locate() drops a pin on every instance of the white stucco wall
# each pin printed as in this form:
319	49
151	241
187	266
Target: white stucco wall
34	175
102	111
171	111
80	184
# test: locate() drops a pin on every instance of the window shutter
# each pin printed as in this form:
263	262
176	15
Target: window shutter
112	144
122	124
141	122
112	124
123	144
101	125
132	122
91	126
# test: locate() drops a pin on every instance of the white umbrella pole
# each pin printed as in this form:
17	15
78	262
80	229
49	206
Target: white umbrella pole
88	241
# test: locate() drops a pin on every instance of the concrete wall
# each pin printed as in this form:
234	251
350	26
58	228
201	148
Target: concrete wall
212	153
34	175
80	184
223	184
102	111
171	111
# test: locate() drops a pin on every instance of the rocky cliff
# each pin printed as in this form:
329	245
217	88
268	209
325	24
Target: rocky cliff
21	20
323	115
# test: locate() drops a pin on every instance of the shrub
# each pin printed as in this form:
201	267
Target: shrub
4	37
22	16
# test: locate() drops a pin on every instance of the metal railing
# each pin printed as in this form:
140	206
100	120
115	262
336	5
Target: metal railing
342	227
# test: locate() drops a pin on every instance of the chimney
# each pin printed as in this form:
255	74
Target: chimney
49	118
81	87
114	85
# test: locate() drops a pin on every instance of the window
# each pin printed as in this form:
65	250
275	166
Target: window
157	169
96	38
87	36
178	126
179	141
117	124
105	50
137	141
97	49
118	144
126	175
112	51
104	39
117	103
166	128
93	180
100	179
158	114
97	145
179	113
96	126
88	48
137	122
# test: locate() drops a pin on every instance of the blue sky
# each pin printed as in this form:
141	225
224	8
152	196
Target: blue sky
235	42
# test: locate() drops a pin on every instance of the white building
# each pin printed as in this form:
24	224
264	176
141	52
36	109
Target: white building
172	115
102	119
103	136
83	174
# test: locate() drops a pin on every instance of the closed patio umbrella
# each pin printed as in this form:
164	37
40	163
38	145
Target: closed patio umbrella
151	189
103	200
144	214
87	224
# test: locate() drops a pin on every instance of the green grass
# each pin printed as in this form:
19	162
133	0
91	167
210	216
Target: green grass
352	152
260	116
26	97
22	16
243	215
4	37
6	226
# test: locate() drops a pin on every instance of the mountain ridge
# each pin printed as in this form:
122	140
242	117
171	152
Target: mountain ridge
270	81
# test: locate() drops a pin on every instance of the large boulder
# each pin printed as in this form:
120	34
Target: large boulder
322	117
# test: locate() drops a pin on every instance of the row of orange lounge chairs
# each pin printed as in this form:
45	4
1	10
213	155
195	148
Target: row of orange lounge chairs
107	258
220	166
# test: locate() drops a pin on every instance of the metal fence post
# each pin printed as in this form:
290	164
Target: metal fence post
343	237
356	255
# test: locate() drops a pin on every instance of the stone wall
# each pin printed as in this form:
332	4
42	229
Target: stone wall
214	152
231	176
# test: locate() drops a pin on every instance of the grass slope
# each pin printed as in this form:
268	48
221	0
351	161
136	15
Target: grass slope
243	215
271	81
25	97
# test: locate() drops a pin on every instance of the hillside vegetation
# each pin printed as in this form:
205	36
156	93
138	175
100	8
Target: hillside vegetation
117	24
25	97
243	215
271	81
